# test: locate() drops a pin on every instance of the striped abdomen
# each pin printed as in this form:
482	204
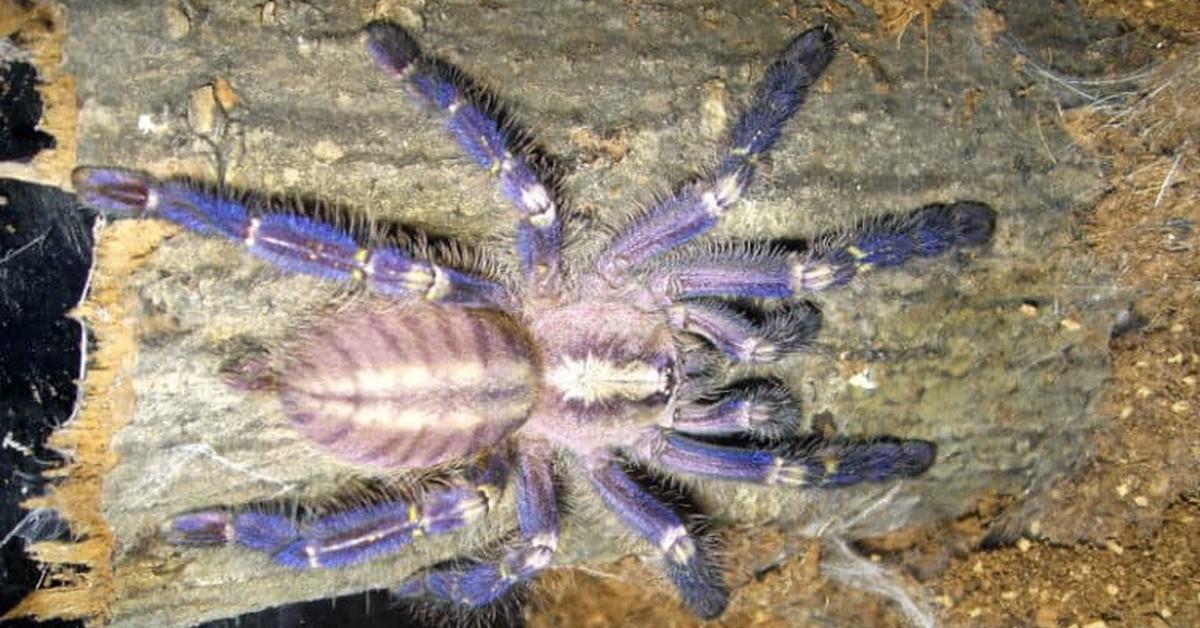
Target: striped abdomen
410	386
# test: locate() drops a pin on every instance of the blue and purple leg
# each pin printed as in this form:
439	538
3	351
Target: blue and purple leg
817	464
349	536
293	243
685	563
697	208
741	339
481	134
883	243
764	409
479	583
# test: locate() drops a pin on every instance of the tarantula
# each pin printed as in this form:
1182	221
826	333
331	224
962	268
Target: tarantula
612	361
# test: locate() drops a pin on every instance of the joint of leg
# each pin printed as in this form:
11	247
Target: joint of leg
677	545
545	214
783	473
757	350
439	287
818	275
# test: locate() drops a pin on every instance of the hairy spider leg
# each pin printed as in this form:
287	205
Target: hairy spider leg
485	139
685	563
353	535
764	409
884	243
697	208
821	464
741	339
477	583
293	243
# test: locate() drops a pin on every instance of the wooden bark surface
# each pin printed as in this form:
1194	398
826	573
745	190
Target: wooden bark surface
998	355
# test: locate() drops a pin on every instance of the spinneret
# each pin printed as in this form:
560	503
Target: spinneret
487	379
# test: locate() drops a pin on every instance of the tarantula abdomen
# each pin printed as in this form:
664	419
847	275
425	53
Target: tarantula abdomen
409	385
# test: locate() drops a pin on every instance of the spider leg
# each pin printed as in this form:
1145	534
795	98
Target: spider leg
765	409
350	536
484	138
293	243
475	583
687	567
741	339
817	464
697	208
767	273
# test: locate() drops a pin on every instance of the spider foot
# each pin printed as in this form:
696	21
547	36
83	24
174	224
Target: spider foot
813	463
260	531
685	561
418	595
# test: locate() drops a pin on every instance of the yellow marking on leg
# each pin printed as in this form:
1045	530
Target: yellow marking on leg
859	254
831	465
418	279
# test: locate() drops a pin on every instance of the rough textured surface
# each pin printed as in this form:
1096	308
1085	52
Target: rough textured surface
998	356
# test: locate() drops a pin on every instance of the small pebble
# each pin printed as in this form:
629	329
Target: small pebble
327	151
202	106
225	95
178	24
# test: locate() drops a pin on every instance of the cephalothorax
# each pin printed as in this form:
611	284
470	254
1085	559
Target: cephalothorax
611	361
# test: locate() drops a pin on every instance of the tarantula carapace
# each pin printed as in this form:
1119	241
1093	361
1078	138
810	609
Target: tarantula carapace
612	361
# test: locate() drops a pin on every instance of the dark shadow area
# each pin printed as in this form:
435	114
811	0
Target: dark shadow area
20	110
45	253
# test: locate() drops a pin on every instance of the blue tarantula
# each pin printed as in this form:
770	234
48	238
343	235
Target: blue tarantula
611	361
